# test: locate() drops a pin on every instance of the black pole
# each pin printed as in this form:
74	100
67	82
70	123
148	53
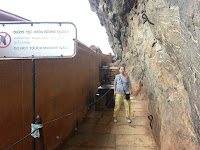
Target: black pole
33	99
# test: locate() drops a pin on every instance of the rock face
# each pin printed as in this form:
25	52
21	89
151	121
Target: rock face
159	41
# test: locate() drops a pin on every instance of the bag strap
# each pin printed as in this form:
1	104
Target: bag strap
122	84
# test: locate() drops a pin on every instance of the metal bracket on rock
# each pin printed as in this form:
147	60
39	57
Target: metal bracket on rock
150	117
144	16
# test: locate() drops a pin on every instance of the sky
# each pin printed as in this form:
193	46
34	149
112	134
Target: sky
89	30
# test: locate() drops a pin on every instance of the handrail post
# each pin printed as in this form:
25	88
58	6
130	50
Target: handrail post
38	120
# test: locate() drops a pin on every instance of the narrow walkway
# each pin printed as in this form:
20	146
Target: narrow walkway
106	135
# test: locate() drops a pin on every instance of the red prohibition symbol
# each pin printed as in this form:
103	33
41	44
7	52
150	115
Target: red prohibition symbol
5	39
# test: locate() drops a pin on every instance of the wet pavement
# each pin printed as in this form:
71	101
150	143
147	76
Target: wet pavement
107	135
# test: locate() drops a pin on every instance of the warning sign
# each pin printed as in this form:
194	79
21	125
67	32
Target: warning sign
34	39
5	39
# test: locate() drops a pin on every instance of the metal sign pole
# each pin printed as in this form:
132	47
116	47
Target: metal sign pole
33	99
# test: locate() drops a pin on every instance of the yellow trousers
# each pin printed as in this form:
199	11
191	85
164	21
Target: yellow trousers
118	101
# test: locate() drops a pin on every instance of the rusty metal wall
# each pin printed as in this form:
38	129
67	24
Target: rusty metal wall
62	86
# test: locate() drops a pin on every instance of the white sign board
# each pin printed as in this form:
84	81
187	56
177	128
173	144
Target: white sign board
37	39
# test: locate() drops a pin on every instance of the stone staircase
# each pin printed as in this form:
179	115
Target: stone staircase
111	71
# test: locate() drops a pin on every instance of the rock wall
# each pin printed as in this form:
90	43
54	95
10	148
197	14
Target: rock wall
159	41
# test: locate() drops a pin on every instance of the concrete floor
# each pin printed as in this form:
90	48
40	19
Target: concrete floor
106	135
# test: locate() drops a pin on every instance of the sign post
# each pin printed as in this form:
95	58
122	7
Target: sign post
37	40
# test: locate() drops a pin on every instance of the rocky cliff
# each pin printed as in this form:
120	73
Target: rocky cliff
159	41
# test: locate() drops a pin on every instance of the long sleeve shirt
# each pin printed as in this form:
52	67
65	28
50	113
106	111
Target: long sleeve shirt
122	84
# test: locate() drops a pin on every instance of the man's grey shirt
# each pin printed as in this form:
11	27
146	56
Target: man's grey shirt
122	83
